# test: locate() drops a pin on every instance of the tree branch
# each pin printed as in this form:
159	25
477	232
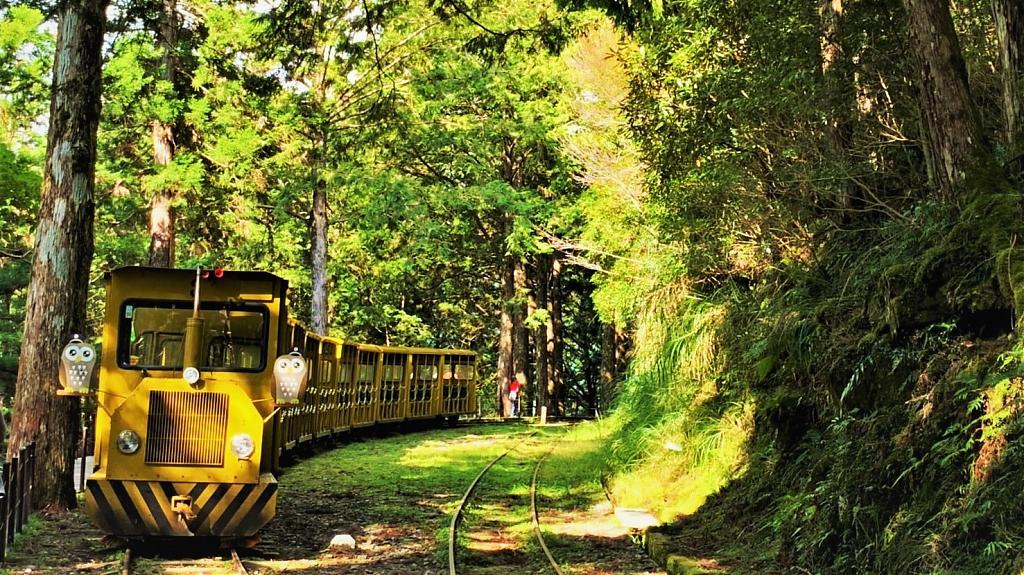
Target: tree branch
571	248
459	7
298	216
14	255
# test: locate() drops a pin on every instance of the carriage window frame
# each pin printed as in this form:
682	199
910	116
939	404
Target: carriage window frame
124	332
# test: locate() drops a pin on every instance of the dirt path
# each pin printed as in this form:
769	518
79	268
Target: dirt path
393	496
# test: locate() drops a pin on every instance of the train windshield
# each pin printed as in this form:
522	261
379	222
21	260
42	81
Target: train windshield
151	334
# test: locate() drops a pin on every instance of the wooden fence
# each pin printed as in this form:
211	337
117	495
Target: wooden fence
16	495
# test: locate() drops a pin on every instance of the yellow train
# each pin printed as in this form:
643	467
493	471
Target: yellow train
198	376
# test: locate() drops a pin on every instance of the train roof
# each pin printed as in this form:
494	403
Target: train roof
415	350
228	273
387	348
399	349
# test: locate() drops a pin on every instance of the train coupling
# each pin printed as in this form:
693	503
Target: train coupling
182	507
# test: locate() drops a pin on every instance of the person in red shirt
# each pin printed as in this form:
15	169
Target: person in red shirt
513	396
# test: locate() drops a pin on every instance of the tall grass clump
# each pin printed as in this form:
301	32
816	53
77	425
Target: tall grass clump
677	437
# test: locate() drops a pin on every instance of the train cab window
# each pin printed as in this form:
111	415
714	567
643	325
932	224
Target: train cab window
230	351
150	335
160	347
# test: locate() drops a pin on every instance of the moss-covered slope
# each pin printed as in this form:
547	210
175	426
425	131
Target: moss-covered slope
857	413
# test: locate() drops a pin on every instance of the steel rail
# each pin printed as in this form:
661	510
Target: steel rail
457	515
126	562
237	562
536	516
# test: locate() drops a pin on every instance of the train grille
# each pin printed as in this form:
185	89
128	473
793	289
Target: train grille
186	428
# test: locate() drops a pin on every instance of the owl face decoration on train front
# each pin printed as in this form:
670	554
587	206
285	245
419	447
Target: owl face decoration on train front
77	362
290	373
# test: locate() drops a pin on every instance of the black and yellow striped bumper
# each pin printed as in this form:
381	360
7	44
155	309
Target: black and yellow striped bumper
129	508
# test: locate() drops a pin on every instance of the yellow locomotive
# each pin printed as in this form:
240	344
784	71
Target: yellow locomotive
199	395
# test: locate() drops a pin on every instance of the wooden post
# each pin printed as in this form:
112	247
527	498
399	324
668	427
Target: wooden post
11	513
4	503
85	448
19	518
30	471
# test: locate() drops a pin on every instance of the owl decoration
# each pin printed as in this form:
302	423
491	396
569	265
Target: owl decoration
77	361
290	373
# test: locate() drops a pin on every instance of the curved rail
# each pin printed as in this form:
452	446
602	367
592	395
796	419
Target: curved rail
536	516
457	515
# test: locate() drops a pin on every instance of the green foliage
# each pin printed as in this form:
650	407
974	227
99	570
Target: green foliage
26	54
25	60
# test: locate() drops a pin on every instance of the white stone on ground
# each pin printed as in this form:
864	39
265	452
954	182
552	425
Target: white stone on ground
343	541
635	518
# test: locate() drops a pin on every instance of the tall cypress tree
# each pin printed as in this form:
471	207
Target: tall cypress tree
57	296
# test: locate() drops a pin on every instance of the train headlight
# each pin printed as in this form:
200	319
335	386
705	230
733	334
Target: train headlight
242	445
190	375
128	442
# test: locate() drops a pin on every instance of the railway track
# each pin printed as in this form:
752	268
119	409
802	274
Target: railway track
535	515
457	516
190	566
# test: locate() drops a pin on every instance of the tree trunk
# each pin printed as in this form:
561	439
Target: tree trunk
839	91
318	257
58	290
5	314
590	364
1009	22
531	310
555	344
609	362
167	39
161	230
835	68
951	123
621	354
506	337
540	298
161	211
521	347
161	207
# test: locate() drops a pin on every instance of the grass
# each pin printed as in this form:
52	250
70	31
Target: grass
432	468
685	461
61	544
676	436
394	495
